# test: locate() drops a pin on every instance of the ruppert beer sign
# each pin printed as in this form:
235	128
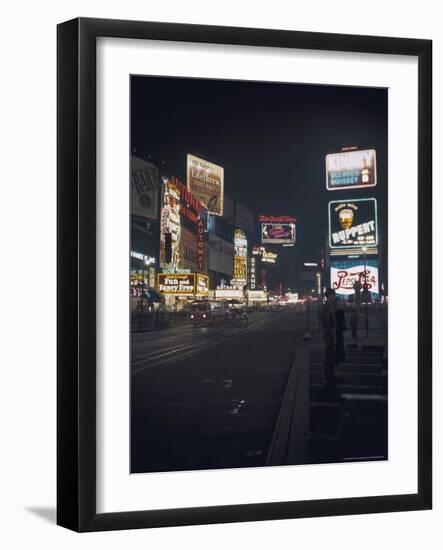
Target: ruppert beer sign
354	169
353	223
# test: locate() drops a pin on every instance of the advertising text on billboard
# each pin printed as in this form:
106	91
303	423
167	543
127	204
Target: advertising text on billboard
205	181
344	275
353	223
180	284
278	233
354	169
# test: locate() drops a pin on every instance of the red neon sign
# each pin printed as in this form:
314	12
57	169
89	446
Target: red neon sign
277	219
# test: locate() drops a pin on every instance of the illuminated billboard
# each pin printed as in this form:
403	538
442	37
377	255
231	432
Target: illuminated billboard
205	181
201	285
353	223
354	169
257	296
170	226
277	229
345	273
266	256
183	284
240	257
229	293
176	283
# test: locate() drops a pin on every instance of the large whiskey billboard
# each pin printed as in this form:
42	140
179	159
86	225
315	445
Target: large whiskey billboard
356	169
205	181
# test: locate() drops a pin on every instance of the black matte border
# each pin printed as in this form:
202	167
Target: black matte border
76	273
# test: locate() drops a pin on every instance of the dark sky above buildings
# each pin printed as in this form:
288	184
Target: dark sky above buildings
271	139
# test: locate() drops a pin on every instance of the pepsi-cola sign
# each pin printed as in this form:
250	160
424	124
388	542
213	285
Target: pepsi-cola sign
344	275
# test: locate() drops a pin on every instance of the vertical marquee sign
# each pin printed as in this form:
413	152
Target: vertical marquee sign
240	257
253	273
200	245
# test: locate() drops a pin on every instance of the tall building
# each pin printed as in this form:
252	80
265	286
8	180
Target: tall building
221	246
144	231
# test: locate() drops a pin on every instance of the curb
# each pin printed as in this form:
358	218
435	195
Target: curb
284	427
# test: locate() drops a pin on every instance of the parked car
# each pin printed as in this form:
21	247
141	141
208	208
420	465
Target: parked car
205	312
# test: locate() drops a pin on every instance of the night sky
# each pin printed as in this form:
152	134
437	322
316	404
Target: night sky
271	139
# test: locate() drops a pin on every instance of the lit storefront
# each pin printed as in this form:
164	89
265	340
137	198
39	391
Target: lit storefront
142	278
229	293
256	297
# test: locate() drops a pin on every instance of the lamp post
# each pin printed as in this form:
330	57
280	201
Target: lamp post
364	249
307	335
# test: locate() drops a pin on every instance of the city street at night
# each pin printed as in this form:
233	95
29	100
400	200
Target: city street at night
258	284
194	407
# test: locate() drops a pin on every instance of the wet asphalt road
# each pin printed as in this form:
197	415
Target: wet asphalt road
208	397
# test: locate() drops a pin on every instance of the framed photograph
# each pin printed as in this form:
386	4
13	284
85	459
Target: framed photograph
244	274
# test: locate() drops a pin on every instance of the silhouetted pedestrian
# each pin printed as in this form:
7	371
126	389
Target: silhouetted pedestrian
340	320
354	324
329	336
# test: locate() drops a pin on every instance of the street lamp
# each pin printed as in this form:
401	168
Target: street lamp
307	335
364	249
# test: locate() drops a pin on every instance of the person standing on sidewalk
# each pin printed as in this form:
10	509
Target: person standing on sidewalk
354	324
340	322
329	336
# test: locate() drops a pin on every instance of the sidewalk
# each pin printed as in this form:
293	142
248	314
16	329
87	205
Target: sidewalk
344	422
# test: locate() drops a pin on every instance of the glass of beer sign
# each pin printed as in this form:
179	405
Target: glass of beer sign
353	223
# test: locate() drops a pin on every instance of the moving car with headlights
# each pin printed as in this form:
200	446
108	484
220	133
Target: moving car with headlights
205	312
